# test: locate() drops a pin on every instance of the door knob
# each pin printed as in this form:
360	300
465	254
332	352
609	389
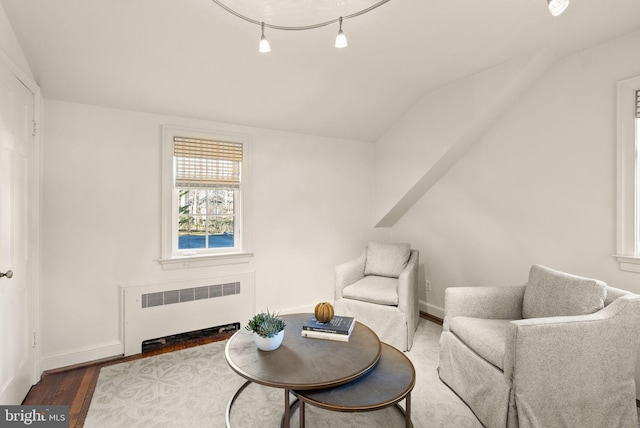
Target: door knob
8	274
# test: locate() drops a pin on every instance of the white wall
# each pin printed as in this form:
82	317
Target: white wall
539	187
424	143
312	202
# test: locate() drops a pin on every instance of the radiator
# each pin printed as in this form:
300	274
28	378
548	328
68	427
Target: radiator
158	310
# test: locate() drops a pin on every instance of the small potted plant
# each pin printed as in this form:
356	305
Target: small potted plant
268	330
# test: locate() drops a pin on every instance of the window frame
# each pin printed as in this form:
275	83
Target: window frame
171	257
628	185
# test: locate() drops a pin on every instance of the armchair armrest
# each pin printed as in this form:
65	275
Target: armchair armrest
483	302
569	370
348	273
408	284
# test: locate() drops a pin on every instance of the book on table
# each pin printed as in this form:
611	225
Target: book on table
339	328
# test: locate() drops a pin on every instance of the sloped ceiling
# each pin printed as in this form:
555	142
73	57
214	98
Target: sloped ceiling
191	58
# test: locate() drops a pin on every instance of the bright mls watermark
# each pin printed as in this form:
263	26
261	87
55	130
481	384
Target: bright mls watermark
34	416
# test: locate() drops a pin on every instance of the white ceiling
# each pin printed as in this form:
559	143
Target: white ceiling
191	58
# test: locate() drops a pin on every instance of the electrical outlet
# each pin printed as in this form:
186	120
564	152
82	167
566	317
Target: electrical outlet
427	284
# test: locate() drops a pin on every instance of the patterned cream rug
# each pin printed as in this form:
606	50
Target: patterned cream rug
191	388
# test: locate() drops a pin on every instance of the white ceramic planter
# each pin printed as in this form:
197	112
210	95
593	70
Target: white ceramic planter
268	343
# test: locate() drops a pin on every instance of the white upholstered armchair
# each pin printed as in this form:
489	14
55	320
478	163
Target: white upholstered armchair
380	289
559	351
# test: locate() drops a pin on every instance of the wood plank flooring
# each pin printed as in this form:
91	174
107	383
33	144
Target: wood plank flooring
74	386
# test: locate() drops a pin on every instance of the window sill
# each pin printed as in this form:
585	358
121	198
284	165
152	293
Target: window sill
628	263
185	262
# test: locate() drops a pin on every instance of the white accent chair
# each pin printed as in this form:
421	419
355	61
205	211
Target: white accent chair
559	351
380	289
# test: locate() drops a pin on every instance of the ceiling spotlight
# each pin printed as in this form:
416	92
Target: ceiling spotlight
264	46
341	39
556	7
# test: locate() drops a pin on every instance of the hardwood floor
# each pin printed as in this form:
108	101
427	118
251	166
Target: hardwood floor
74	386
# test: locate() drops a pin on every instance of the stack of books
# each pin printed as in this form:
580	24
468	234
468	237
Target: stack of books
339	328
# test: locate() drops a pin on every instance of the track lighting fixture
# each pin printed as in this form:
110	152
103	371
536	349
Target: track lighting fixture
556	7
341	39
264	46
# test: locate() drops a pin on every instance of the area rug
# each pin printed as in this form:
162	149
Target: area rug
192	387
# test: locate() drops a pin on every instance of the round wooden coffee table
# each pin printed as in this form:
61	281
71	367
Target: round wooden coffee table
390	381
302	363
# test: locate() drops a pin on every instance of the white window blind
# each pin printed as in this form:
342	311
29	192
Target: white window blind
207	163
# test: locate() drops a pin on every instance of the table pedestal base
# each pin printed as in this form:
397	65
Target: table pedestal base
405	414
291	405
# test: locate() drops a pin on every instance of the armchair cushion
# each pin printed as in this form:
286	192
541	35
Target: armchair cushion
374	289
386	259
551	293
485	336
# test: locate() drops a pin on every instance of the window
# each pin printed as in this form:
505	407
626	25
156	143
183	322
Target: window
628	248
205	187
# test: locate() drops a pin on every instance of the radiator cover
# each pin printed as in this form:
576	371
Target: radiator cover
163	309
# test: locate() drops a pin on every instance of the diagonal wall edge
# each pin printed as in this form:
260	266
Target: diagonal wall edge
537	65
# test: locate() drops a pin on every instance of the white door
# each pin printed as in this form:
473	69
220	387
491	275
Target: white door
17	239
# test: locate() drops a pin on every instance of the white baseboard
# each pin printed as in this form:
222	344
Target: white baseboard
434	310
83	355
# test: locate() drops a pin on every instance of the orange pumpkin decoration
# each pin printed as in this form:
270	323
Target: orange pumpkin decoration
323	312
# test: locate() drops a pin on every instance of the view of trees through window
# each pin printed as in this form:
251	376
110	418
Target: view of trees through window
205	218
